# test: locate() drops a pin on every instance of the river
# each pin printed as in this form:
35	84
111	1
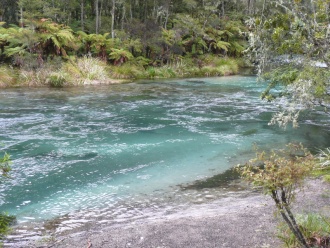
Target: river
84	149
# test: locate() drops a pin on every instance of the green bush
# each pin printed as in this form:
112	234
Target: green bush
5	222
280	174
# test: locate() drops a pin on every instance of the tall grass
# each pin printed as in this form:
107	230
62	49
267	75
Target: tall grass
323	166
85	70
8	76
34	78
205	66
127	71
5	222
315	228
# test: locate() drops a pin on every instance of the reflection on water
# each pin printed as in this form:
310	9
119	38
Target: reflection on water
81	150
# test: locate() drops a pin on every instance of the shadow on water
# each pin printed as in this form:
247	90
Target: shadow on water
196	81
218	181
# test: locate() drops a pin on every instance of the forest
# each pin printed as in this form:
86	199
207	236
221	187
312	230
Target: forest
136	39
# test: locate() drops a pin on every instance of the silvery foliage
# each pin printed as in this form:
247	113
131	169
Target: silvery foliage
324	157
300	94
299	98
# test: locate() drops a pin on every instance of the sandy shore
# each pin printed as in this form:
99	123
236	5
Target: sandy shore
243	219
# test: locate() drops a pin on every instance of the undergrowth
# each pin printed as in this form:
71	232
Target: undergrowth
323	165
86	70
5	222
315	228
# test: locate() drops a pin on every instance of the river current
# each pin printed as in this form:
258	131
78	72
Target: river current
84	149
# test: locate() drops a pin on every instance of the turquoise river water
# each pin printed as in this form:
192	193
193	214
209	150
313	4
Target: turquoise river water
90	148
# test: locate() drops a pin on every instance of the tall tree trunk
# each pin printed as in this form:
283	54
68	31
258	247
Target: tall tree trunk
223	8
285	211
113	19
100	14
154	12
21	20
97	16
123	17
167	12
130	10
82	14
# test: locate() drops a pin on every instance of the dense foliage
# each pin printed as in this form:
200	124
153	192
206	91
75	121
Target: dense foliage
160	32
138	37
290	44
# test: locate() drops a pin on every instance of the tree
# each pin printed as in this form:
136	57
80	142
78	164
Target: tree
120	56
101	44
17	43
291	46
280	173
113	19
55	39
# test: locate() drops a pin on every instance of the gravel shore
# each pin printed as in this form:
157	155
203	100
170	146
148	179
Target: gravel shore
244	219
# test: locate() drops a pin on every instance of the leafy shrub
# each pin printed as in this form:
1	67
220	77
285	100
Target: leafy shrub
280	173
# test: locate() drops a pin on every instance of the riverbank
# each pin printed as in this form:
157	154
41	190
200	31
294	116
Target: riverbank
92	71
238	219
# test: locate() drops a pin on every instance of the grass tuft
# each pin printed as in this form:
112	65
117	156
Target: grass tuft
85	70
5	222
8	76
315	228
